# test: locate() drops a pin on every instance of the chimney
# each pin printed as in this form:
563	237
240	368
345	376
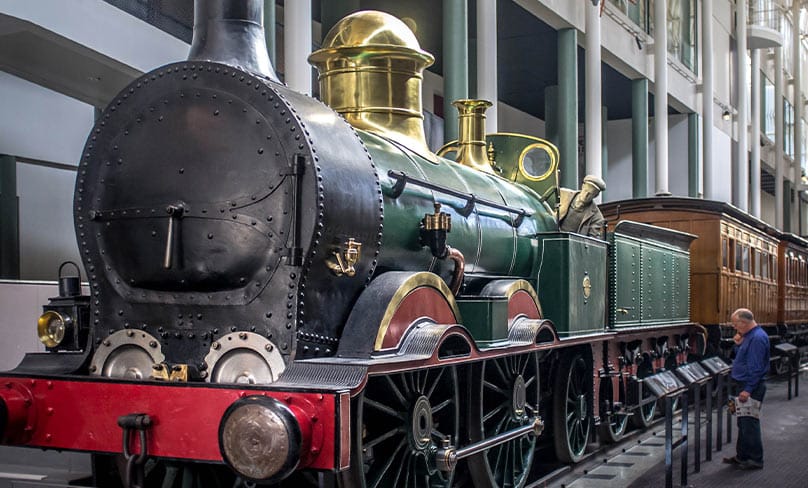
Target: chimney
231	32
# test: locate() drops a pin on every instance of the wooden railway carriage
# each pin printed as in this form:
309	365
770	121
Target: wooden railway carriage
737	261
306	288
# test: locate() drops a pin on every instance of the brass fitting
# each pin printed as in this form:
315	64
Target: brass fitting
471	147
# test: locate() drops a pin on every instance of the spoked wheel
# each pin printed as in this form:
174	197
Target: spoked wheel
644	415
613	427
399	422
572	398
504	397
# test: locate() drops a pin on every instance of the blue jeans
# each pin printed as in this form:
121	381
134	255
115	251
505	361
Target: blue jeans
749	446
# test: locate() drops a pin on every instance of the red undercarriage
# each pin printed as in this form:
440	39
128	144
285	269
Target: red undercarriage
83	415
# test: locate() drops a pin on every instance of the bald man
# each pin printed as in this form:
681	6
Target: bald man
749	371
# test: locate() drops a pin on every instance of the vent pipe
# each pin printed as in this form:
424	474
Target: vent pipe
231	32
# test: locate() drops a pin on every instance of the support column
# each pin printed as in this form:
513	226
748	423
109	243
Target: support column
796	50
332	11
707	97
786	206
568	106
593	87
604	152
9	219
297	44
269	30
639	138
754	137
551	117
740	181
487	61
661	96
693	172
455	62
779	161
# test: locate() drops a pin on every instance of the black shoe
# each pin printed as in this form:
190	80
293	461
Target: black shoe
750	465
733	460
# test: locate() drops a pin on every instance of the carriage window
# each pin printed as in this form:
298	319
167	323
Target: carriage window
724	252
756	262
737	251
773	266
764	266
745	259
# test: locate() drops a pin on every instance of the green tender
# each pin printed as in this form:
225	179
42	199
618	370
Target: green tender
567	263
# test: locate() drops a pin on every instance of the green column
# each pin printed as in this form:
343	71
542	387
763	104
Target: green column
786	206
551	114
455	62
639	138
332	11
9	219
568	106
269	30
604	158
693	155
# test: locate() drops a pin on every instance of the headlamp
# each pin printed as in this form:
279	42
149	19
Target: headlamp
260	439
51	328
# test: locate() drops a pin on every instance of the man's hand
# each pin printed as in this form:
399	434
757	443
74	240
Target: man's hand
738	338
743	396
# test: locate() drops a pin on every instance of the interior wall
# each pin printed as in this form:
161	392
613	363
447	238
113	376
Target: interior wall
619	173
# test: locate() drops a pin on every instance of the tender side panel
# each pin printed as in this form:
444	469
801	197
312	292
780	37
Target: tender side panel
572	282
649	283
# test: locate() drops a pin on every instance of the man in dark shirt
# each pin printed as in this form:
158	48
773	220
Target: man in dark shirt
748	374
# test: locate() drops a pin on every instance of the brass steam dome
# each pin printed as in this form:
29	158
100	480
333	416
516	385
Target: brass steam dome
371	68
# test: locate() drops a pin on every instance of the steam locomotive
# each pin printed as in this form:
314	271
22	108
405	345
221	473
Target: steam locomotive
286	287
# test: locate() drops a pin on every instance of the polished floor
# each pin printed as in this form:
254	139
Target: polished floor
640	463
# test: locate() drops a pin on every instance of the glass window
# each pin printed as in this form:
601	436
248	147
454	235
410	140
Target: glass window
738	256
745	259
764	266
756	262
724	252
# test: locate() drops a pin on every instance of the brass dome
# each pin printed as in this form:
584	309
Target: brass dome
371	32
371	70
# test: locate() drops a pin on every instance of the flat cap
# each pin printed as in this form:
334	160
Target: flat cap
594	180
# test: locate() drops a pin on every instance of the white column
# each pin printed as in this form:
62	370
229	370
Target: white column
297	44
740	184
754	137
707	106
661	95
487	59
798	107
593	122
779	162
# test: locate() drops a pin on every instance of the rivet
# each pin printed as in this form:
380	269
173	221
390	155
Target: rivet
152	344
216	346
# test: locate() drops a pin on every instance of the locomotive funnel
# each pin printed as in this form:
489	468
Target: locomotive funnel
231	32
471	150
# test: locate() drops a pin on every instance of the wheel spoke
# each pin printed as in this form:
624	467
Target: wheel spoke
501	372
492	413
440	406
384	408
384	437
494	387
396	390
435	383
389	463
